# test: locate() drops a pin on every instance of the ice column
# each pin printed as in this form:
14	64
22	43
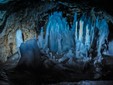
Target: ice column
103	34
60	38
19	38
40	39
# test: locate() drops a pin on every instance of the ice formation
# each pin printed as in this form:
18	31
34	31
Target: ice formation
19	38
75	41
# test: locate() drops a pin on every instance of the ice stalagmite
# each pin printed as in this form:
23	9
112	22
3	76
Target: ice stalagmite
19	38
103	35
78	39
40	39
58	37
88	35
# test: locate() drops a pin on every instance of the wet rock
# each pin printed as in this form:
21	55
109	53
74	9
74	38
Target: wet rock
27	20
3	78
8	36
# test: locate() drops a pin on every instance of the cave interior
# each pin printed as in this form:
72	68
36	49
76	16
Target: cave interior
56	42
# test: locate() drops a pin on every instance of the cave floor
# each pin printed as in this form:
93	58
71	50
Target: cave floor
74	75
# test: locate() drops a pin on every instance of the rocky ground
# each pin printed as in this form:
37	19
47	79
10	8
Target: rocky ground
42	70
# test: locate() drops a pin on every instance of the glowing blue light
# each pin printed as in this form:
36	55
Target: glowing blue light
59	38
4	1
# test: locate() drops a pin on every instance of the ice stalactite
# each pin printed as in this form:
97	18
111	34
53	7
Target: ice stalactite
40	39
58	37
103	34
19	38
77	40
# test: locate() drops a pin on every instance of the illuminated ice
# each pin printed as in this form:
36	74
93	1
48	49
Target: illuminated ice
19	38
58	37
103	34
75	41
40	39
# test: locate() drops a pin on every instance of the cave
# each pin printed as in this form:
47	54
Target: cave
55	42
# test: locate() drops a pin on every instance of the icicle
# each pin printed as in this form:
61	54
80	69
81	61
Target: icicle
19	38
103	34
47	34
76	37
40	39
74	22
87	43
59	38
92	34
81	31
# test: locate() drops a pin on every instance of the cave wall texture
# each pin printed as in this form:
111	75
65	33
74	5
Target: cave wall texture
26	20
30	16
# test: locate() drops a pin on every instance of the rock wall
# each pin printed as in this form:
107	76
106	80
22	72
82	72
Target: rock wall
28	20
8	35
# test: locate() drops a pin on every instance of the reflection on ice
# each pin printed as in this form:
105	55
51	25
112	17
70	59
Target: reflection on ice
19	38
73	42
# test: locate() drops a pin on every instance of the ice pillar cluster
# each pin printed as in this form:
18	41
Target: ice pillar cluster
79	38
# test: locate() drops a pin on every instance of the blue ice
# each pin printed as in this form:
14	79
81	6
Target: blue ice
75	41
19	38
